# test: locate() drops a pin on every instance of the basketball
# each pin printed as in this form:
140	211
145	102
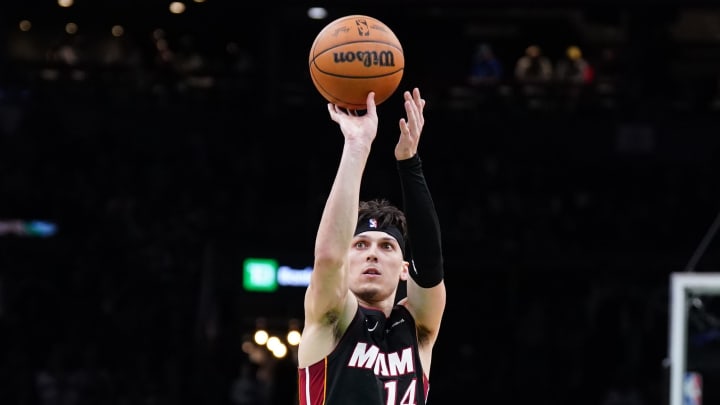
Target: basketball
354	55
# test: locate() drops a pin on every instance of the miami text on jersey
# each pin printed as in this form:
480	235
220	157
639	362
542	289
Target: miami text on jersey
383	364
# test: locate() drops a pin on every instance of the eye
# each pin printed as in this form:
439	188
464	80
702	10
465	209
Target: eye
360	244
388	246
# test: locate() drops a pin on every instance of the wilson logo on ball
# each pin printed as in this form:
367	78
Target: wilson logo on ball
368	58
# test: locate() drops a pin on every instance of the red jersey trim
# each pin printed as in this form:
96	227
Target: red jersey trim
313	383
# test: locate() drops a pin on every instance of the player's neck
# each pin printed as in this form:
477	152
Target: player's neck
385	306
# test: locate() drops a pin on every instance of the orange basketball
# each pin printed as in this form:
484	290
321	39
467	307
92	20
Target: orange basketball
354	55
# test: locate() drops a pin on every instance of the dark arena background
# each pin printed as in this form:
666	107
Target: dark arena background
146	155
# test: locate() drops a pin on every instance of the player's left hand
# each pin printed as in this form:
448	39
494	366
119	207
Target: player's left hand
411	126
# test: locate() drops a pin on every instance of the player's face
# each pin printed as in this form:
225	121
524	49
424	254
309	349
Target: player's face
376	266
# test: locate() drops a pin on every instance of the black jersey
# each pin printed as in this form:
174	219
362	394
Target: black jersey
376	362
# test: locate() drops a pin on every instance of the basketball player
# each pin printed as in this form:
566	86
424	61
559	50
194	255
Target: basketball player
360	345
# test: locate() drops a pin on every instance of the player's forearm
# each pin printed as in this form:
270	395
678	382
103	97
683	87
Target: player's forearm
424	238
339	217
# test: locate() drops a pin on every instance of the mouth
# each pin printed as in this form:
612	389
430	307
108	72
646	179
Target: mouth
371	271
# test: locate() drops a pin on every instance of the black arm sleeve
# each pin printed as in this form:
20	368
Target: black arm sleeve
424	244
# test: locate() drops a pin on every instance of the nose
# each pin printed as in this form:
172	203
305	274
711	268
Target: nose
371	256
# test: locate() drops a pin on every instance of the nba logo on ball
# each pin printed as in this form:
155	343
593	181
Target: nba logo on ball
353	56
692	389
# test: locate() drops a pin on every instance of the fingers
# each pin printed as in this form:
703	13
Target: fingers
416	99
332	110
404	129
416	96
371	107
335	111
418	105
412	113
414	116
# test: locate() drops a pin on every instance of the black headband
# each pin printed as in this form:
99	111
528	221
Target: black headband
392	230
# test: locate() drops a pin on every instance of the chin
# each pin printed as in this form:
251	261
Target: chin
370	293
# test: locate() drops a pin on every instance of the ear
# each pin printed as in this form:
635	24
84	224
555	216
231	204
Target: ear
405	272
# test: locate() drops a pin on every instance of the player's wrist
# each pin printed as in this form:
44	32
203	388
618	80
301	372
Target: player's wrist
408	162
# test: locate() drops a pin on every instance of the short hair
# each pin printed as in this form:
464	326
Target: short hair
384	212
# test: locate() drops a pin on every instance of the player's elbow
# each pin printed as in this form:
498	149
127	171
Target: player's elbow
325	259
